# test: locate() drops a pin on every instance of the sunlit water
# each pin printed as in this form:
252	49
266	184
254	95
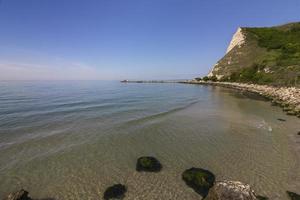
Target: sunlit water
73	139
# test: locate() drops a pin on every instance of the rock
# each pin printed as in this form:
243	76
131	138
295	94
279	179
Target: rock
291	112
275	103
19	195
280	119
261	197
231	190
148	164
299	133
200	180
287	109
293	196
115	192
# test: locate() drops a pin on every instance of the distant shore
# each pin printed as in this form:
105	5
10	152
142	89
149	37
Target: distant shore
151	81
286	97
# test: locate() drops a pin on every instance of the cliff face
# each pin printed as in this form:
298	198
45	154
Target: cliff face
238	39
262	55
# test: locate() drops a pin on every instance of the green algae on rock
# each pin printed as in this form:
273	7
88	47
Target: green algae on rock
116	191
148	164
200	180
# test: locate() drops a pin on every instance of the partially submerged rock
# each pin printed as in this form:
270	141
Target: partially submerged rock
148	164
115	192
293	196
19	195
261	197
299	133
280	119
231	190
200	180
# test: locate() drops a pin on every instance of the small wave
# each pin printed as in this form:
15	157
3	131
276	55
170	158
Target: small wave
264	125
152	118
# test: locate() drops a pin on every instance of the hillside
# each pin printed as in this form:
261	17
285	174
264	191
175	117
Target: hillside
268	55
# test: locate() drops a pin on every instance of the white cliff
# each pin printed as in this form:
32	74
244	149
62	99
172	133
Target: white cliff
237	40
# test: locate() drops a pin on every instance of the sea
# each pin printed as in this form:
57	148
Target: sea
63	140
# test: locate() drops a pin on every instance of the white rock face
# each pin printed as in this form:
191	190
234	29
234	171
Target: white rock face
231	190
214	69
237	40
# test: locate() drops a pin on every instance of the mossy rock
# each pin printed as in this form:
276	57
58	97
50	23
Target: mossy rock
116	191
261	197
148	164
200	180
293	196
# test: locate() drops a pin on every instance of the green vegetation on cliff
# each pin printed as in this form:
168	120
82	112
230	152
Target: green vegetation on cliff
268	56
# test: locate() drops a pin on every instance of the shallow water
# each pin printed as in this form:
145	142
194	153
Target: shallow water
73	139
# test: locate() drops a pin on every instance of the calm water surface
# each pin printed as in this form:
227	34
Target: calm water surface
73	139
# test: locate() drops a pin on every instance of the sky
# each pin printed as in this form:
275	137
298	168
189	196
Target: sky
125	39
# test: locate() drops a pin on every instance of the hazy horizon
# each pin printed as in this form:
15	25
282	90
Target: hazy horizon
114	40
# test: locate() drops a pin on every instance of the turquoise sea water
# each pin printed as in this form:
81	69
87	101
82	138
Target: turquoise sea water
73	139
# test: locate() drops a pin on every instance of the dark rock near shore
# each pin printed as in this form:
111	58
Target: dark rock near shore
148	164
291	112
293	196
299	133
231	190
200	180
275	103
115	192
19	195
280	119
261	197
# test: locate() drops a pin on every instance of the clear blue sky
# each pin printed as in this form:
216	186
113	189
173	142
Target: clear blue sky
132	39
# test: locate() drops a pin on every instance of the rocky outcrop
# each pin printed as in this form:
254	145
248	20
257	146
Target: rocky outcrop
263	55
231	190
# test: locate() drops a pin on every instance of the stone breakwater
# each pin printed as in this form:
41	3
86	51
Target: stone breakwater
286	97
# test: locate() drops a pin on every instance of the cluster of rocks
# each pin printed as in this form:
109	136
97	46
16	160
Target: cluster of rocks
143	164
200	180
286	97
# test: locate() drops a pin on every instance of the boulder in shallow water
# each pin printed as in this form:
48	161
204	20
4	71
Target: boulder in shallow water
293	196
19	195
148	164
116	191
201	180
231	190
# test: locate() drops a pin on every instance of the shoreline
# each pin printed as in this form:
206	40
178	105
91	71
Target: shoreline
286	97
